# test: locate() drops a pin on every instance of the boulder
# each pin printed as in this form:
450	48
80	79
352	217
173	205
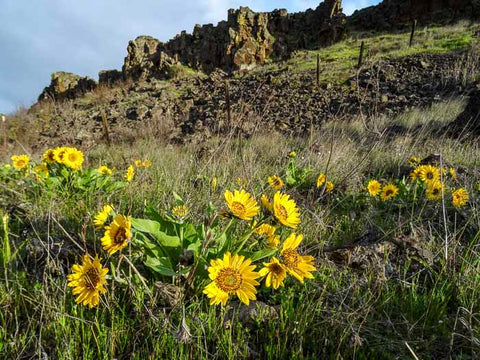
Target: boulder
109	77
146	58
65	85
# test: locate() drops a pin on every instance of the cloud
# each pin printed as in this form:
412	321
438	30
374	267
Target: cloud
42	36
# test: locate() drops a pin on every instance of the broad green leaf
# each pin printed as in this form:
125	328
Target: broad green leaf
167	240
160	265
148	226
148	247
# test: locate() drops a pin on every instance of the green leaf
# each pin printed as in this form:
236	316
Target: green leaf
178	198
290	180
144	225
195	247
167	240
262	254
160	265
192	234
153	228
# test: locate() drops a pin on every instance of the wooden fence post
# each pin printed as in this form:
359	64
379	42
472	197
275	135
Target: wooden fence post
360	57
318	69
106	131
414	25
4	132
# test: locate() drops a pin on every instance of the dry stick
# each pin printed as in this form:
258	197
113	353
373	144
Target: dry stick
411	351
444	212
106	132
414	25
4	131
360	56
318	69
329	159
68	235
142	280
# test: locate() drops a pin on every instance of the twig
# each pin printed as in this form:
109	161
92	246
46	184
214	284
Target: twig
444	211
67	234
413	353
138	274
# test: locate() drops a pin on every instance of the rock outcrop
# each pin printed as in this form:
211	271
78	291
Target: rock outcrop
397	13
146	58
65	85
245	40
109	77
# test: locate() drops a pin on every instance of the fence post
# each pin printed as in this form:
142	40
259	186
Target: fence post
318	69
4	132
414	25
360	57
106	131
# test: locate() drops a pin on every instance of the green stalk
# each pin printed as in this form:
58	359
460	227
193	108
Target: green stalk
244	239
6	255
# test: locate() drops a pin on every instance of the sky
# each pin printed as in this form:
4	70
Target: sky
39	37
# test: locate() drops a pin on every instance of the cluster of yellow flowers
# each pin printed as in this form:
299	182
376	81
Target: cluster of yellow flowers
139	164
235	275
321	179
143	164
68	156
386	192
88	279
431	176
435	183
130	172
73	159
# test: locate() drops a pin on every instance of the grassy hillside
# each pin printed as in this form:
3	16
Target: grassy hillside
339	61
395	278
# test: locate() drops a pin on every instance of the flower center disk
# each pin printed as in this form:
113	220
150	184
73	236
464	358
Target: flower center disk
290	258
228	280
282	212
120	236
238	208
92	278
276	269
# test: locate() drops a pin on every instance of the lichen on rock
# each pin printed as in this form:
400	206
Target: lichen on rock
65	85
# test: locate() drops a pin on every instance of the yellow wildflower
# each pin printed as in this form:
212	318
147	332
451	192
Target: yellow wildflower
20	162
241	204
232	275
88	281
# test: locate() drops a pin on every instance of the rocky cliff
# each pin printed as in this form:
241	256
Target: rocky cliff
244	40
397	13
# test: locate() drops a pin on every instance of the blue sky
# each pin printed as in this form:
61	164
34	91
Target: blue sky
38	37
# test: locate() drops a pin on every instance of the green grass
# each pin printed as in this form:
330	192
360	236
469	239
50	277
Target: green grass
339	61
373	301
